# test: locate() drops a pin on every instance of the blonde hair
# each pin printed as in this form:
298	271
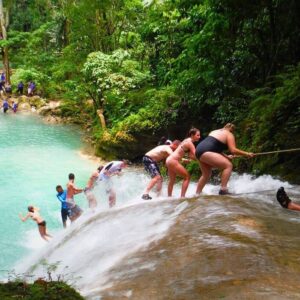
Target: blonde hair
229	126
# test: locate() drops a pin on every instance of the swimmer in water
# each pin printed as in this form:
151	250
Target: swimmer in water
33	213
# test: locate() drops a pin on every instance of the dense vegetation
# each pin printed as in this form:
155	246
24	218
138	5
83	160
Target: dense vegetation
39	290
130	71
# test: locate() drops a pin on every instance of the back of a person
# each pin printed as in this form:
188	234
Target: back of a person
160	152
180	151
220	135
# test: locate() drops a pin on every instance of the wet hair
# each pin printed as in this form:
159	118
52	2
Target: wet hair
71	176
100	168
193	131
229	126
176	142
30	208
58	187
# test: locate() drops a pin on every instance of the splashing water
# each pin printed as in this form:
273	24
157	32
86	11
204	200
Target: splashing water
207	247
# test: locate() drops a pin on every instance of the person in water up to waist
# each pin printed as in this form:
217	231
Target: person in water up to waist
210	154
65	210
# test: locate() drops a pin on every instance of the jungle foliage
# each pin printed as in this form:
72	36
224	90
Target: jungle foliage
152	68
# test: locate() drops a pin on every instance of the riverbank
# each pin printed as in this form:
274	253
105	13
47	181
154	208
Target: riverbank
49	111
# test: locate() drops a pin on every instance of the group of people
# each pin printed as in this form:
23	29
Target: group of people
6	105
69	209
209	153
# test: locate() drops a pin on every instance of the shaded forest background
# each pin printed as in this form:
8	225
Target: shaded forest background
130	71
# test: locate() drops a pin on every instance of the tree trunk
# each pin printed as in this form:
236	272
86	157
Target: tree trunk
5	49
102	118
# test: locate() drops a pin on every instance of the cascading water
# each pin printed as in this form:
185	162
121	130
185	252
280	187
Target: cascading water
210	247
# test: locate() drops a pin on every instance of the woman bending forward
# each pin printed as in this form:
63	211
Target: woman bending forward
210	154
173	161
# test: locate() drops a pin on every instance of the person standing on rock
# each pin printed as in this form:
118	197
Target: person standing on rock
72	190
20	88
151	160
88	191
109	170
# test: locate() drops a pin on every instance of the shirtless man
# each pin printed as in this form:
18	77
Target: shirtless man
109	170
33	212
72	190
88	191
151	160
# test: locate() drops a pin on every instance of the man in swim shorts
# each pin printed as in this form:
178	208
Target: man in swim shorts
72	190
285	201
151	160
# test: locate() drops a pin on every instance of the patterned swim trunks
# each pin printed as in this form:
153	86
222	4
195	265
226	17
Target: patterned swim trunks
151	166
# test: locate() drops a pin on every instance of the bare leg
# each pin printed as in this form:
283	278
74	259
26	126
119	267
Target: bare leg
91	200
294	206
219	161
172	178
175	168
42	231
155	180
159	186
112	198
182	172
205	176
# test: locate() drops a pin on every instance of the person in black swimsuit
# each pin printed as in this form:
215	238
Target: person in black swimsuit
285	201
210	154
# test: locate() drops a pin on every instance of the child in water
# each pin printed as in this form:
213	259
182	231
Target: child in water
33	212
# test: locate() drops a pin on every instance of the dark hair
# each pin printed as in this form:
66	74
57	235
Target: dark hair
100	168
30	208
58	187
176	142
71	176
162	141
193	131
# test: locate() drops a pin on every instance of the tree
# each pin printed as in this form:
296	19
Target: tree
111	73
4	23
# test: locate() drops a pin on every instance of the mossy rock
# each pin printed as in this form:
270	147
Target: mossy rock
32	101
39	290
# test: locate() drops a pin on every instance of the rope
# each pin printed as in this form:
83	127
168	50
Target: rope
261	191
278	151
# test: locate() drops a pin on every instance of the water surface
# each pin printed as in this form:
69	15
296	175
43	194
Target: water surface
35	157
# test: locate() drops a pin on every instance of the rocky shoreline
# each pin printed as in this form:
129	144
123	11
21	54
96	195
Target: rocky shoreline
50	112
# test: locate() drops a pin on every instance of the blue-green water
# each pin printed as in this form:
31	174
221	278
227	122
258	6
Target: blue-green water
35	157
